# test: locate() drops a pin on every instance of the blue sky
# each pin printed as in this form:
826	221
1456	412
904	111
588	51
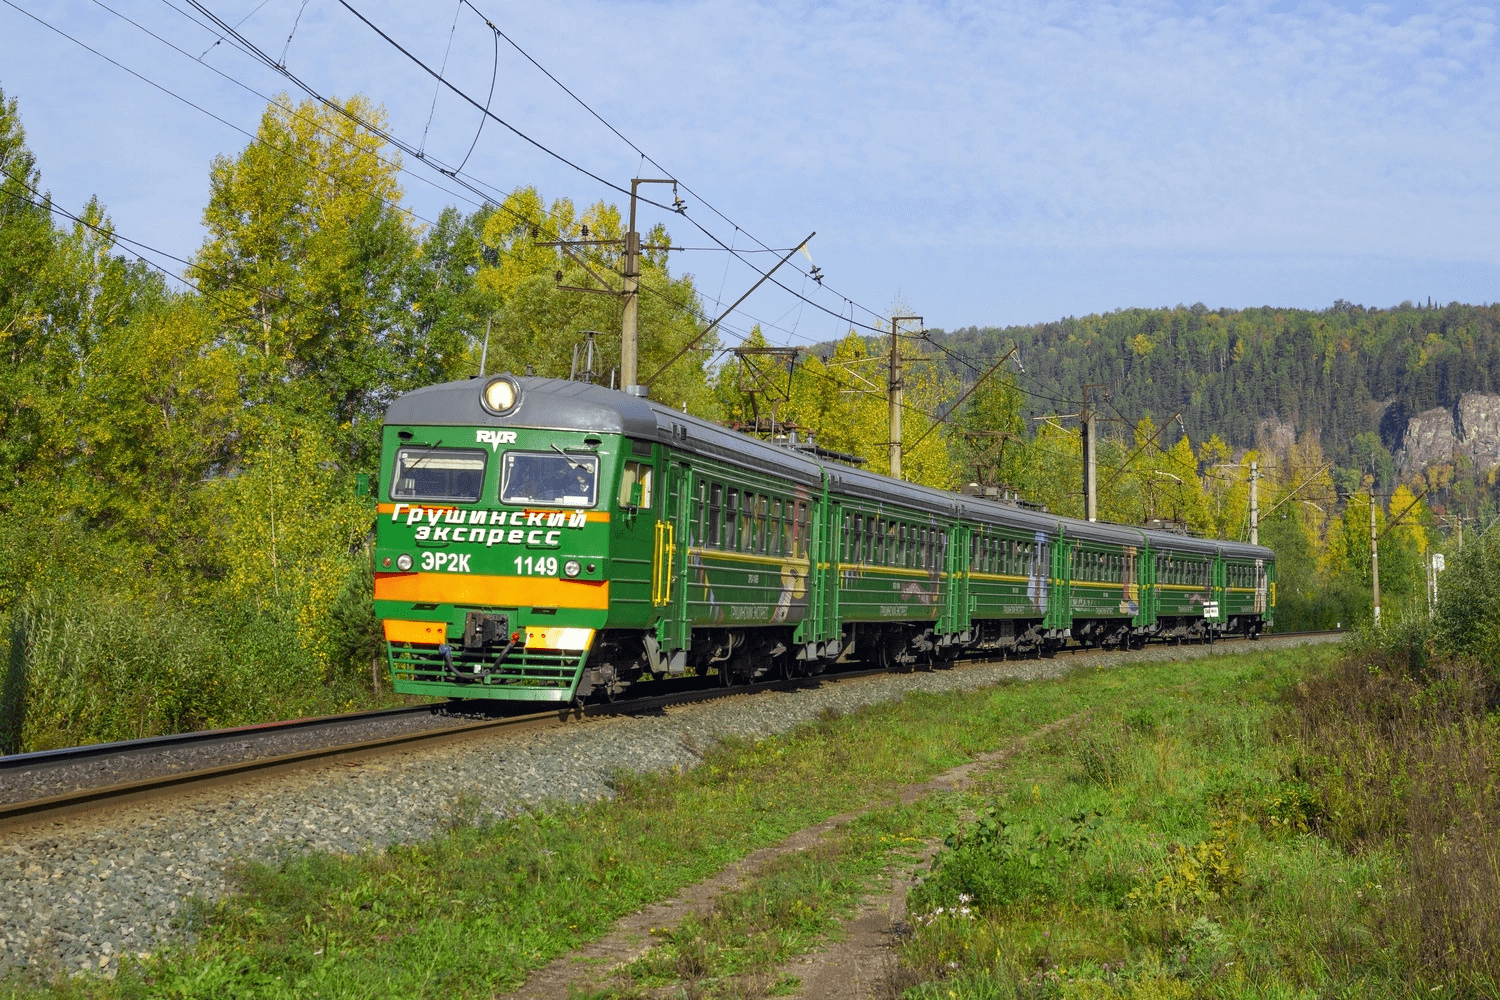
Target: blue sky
980	163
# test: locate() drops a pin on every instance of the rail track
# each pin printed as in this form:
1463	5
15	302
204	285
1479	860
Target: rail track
325	731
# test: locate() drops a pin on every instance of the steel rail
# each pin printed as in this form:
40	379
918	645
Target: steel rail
67	802
65	755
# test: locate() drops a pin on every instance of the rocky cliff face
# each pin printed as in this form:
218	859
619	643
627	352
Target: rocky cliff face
1470	430
1428	440
1478	428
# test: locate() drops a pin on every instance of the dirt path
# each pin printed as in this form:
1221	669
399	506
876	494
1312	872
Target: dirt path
853	967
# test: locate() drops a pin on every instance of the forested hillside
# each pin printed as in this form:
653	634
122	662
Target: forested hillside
1264	377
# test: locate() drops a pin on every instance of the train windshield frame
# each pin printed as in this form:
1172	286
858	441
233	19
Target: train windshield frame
430	473
547	477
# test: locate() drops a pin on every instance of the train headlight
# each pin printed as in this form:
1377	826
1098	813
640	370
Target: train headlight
571	567
500	395
403	562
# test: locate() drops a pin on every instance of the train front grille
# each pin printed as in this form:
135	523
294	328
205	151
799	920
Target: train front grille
525	674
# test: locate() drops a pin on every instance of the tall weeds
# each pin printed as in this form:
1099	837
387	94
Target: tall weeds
88	666
1403	745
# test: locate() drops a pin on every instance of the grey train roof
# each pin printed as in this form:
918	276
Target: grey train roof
558	404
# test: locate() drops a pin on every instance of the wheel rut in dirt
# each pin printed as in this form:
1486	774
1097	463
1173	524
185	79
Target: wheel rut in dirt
858	962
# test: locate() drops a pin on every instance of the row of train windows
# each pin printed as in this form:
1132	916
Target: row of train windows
1100	566
882	542
1243	576
1004	555
1190	572
737	520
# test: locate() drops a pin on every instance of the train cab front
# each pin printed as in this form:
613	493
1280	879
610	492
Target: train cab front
491	559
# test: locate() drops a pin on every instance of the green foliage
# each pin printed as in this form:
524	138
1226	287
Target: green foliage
1205	875
1467	617
102	666
1401	750
993	863
1205	872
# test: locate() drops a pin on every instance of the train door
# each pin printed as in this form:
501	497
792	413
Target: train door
821	622
1060	605
669	558
957	606
1146	578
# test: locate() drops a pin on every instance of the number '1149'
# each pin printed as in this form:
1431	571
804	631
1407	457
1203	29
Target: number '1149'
537	566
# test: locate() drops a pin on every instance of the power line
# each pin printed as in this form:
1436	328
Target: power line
677	209
644	156
255	139
419	154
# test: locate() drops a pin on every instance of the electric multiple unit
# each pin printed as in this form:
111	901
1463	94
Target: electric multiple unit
551	540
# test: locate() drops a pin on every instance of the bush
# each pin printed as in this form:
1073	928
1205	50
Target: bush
1403	753
1467	618
90	666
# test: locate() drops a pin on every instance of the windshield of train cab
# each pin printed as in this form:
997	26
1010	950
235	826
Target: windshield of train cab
430	473
555	478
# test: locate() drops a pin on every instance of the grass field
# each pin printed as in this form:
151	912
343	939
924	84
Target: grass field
1176	843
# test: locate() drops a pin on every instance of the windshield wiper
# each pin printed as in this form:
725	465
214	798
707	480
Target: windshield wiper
567	458
426	450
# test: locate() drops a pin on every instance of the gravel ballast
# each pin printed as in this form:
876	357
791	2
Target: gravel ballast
81	891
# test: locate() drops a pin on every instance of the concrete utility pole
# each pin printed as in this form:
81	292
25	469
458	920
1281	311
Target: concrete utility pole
893	385
1090	465
1374	559
630	315
1254	503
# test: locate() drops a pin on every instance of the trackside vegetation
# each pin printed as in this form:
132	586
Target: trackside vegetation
1323	828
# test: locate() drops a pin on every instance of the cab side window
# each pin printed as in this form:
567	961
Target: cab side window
636	473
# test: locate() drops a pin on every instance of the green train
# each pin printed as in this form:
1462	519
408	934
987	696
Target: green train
550	540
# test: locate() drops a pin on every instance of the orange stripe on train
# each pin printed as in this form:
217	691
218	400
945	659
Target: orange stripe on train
497	591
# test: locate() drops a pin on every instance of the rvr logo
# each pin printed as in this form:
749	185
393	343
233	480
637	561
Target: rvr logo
495	438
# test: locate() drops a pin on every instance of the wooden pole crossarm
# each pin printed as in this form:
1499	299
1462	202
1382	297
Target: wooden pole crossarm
1131	457
1294	492
959	401
710	327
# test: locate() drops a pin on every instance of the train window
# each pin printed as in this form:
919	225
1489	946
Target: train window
799	534
747	522
630	475
549	477
438	474
715	512
697	522
732	520
762	525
